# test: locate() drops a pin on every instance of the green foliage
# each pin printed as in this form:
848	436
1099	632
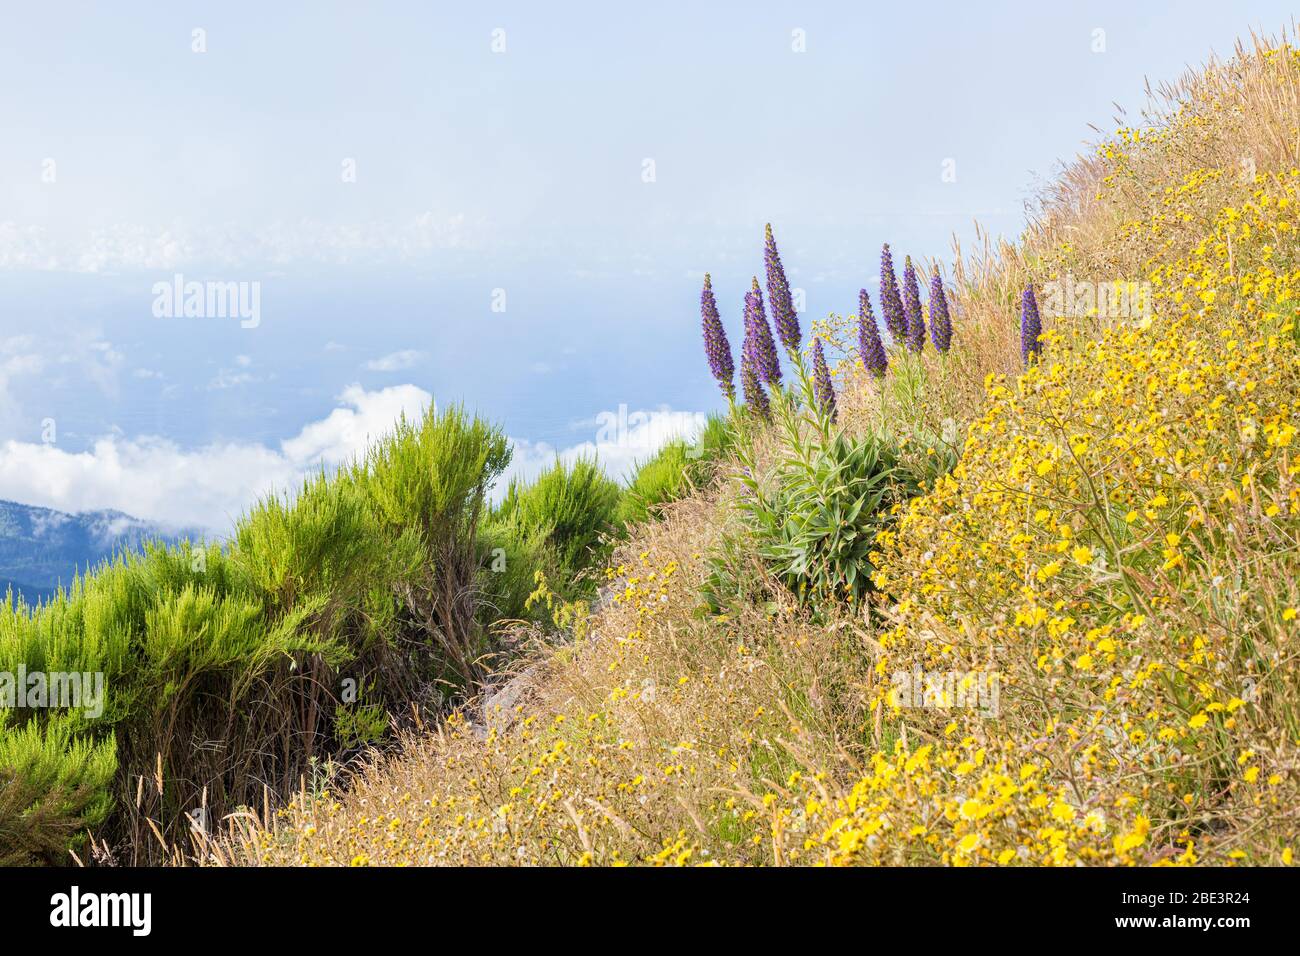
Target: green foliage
431	480
510	558
571	508
433	476
53	786
561	524
359	725
221	666
811	521
658	479
320	552
674	471
568	616
388	572
816	522
904	412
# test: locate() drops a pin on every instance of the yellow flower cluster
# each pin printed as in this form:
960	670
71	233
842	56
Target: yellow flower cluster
1119	546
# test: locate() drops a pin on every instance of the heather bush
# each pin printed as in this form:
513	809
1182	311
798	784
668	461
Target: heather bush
364	579
54	785
675	470
571	508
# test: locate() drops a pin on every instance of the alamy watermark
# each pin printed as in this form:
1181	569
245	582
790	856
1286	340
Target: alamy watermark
1118	299
192	299
67	690
648	430
133	911
946	690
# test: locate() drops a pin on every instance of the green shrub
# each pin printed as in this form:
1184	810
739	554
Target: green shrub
432	480
568	509
811	521
54	785
816	523
658	479
511	556
559	523
223	666
677	468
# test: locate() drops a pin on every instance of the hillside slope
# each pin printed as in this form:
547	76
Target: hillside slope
1081	645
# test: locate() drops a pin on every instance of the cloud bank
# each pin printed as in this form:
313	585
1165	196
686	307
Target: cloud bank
395	361
168	247
155	479
208	487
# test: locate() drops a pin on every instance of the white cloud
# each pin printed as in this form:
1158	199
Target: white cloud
16	360
226	378
230	378
95	360
395	361
26	247
365	417
621	440
170	247
209	487
153	478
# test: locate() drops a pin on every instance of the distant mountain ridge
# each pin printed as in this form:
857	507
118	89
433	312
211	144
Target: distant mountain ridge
42	549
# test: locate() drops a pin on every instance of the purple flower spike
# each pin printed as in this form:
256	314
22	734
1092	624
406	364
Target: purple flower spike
940	321
758	338
1031	326
716	346
755	394
778	295
891	303
823	389
870	347
912	307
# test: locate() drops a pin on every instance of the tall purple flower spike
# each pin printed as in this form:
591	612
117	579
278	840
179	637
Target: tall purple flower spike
870	347
823	388
1031	326
891	303
716	346
912	307
758	338
778	295
940	320
755	393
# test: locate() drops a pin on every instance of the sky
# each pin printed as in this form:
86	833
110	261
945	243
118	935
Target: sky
510	206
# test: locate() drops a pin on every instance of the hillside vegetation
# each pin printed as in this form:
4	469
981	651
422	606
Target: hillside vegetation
994	597
234	675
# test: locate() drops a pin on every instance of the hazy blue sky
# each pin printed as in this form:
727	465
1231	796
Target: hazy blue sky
386	172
